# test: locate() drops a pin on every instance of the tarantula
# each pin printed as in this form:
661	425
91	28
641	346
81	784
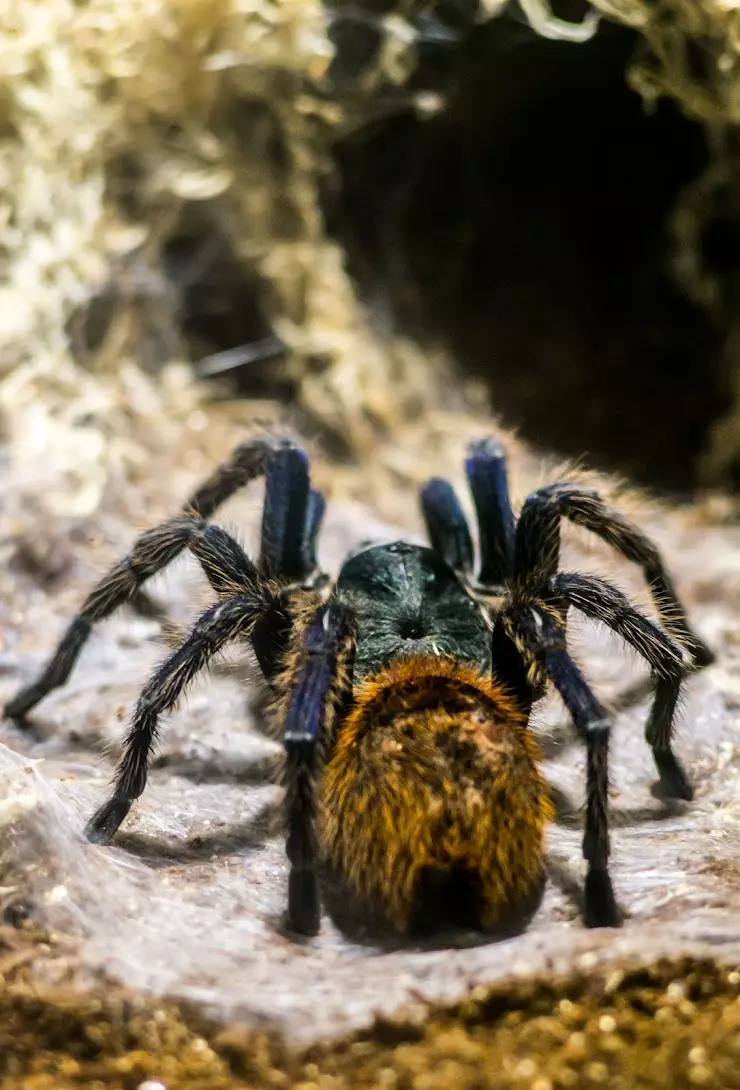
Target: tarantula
403	691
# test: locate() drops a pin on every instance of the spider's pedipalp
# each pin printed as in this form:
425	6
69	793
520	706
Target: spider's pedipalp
223	622
485	468
538	547
285	512
319	681
603	602
446	525
544	644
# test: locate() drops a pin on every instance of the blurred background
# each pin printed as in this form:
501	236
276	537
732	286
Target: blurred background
366	218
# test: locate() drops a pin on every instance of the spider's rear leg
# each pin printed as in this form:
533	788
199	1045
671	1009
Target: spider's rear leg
537	550
541	641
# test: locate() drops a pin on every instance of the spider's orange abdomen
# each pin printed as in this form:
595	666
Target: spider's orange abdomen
432	794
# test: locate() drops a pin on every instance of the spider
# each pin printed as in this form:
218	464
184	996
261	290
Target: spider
403	690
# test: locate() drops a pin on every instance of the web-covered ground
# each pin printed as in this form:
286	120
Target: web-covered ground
188	901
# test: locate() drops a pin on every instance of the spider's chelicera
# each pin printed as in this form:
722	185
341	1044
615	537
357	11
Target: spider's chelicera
403	690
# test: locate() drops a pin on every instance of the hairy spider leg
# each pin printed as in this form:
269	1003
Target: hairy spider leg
537	551
542	641
536	578
227	620
152	551
485	467
603	602
319	682
145	606
446	525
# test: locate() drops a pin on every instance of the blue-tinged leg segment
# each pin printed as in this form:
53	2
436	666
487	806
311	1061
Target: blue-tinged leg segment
487	476
327	643
314	518
447	527
285	515
537	547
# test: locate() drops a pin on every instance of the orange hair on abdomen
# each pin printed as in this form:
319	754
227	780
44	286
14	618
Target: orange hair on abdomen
434	768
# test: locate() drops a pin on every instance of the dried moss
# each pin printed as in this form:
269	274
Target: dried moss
122	128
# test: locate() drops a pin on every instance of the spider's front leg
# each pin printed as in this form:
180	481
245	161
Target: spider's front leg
529	548
317	684
290	525
253	605
447	527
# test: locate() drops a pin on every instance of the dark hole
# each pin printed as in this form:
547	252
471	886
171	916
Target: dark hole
721	245
222	312
208	302
17	914
573	11
527	227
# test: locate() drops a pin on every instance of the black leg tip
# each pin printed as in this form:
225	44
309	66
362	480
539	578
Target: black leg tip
673	783
105	822
19	707
304	907
600	905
